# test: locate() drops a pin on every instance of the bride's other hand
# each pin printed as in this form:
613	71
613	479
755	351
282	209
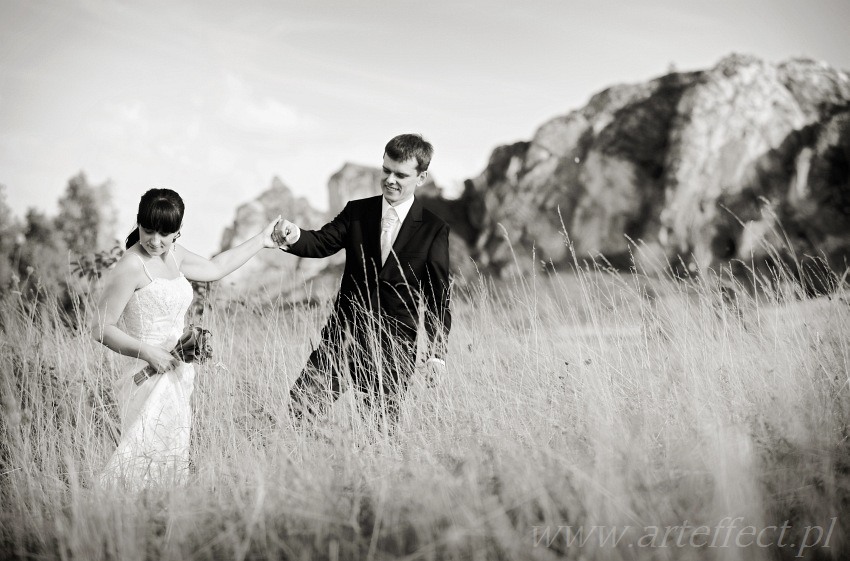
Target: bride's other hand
269	234
161	360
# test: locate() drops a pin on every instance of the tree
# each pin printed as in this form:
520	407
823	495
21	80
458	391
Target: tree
42	259
86	219
10	238
48	253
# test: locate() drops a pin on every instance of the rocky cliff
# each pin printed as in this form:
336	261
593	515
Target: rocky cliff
702	167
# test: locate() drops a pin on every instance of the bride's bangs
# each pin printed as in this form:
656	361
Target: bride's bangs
162	217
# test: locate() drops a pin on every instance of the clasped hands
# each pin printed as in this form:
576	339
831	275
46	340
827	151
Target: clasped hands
284	234
279	233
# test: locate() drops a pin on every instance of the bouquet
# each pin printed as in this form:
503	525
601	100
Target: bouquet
194	345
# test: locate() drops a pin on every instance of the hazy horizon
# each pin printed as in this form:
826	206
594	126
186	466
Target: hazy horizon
216	101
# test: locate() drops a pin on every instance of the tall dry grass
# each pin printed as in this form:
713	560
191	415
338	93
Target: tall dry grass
584	399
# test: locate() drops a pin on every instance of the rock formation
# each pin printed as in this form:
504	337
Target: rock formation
270	270
352	181
728	164
703	165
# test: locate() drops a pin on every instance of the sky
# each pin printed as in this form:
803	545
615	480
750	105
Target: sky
214	99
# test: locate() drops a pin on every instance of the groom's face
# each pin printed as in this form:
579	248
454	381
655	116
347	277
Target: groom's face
400	179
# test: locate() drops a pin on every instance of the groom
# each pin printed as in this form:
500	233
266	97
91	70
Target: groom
397	263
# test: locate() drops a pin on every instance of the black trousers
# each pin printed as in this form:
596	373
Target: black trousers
375	358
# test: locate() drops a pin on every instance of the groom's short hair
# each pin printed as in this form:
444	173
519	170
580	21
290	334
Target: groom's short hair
405	146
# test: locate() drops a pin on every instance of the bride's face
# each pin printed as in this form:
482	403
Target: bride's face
156	243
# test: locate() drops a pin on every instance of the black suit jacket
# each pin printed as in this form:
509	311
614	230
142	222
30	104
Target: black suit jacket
417	268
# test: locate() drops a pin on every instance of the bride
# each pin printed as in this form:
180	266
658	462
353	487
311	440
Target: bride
141	315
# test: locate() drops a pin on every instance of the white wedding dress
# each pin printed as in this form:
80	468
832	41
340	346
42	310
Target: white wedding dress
156	415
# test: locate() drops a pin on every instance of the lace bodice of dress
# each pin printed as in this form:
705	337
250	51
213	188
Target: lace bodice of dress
155	313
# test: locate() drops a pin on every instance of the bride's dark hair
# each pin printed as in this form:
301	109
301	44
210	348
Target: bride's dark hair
160	210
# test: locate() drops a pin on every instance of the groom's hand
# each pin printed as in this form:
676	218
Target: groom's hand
434	370
285	234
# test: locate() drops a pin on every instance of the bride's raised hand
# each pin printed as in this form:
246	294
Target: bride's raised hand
198	268
268	240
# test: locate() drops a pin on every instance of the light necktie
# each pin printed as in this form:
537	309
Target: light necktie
388	223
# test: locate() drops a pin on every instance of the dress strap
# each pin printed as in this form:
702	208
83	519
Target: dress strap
176	264
144	266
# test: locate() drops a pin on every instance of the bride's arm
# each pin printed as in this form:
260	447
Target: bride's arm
121	282
200	268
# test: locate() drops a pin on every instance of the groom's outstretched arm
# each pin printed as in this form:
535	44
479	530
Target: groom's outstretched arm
324	242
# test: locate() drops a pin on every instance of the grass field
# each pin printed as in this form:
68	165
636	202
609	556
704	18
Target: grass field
583	415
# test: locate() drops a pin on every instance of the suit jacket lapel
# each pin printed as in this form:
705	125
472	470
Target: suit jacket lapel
372	227
411	223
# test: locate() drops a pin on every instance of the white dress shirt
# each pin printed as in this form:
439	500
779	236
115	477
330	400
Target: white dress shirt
402	210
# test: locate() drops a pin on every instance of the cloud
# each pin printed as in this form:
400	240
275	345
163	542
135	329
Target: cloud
121	121
128	114
245	110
